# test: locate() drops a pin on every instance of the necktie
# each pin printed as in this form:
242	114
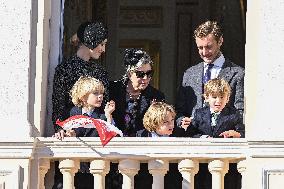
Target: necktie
214	117
207	75
85	114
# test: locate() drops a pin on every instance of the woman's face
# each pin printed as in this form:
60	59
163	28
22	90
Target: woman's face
97	52
141	78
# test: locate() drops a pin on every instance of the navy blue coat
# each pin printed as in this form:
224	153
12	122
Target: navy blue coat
228	119
87	132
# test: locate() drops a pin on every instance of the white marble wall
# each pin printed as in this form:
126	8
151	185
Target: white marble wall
264	70
15	32
264	83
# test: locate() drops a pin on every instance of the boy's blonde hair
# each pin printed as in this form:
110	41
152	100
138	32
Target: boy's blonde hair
84	86
156	115
217	87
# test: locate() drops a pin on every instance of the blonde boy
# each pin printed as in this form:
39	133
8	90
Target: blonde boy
87	95
218	119
158	120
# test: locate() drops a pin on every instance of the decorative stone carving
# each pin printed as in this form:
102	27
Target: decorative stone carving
44	165
99	168
188	168
68	168
158	168
218	169
141	16
128	168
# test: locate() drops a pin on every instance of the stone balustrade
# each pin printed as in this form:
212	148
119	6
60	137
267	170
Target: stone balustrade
129	153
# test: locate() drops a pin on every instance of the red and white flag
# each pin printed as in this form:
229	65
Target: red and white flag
106	130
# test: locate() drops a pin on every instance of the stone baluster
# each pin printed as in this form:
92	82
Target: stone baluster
218	169
128	168
99	168
242	169
188	168
68	168
44	165
158	168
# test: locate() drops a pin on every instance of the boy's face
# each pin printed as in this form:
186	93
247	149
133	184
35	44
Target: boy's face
217	103
167	127
95	99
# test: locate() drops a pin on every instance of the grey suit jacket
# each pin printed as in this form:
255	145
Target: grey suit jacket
190	97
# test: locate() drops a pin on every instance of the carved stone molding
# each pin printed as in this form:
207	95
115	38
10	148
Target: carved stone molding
9	176
133	16
272	177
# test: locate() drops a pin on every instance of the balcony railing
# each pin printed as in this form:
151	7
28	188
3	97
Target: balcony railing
129	153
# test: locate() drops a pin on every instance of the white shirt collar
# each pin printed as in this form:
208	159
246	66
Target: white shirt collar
153	134
87	112
218	62
212	111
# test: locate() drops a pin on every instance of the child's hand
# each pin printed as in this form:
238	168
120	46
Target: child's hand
230	134
185	122
70	133
110	107
61	134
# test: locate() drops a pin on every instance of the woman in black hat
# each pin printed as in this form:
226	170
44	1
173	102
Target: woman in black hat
92	37
133	94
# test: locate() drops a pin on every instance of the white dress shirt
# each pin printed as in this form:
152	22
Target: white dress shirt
218	63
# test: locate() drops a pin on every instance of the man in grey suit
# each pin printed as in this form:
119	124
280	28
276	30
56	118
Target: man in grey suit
209	39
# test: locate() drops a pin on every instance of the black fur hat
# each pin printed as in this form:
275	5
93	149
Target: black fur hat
91	34
132	56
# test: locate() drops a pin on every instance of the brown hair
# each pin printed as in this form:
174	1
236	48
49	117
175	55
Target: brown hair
206	28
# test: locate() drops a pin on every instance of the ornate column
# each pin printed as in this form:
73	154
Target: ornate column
158	168
242	169
99	168
218	169
128	168
68	168
44	165
188	168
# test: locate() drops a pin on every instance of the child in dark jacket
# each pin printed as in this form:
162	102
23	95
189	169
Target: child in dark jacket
87	96
158	121
218	120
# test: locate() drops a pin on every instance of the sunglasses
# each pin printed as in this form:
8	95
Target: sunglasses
141	74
